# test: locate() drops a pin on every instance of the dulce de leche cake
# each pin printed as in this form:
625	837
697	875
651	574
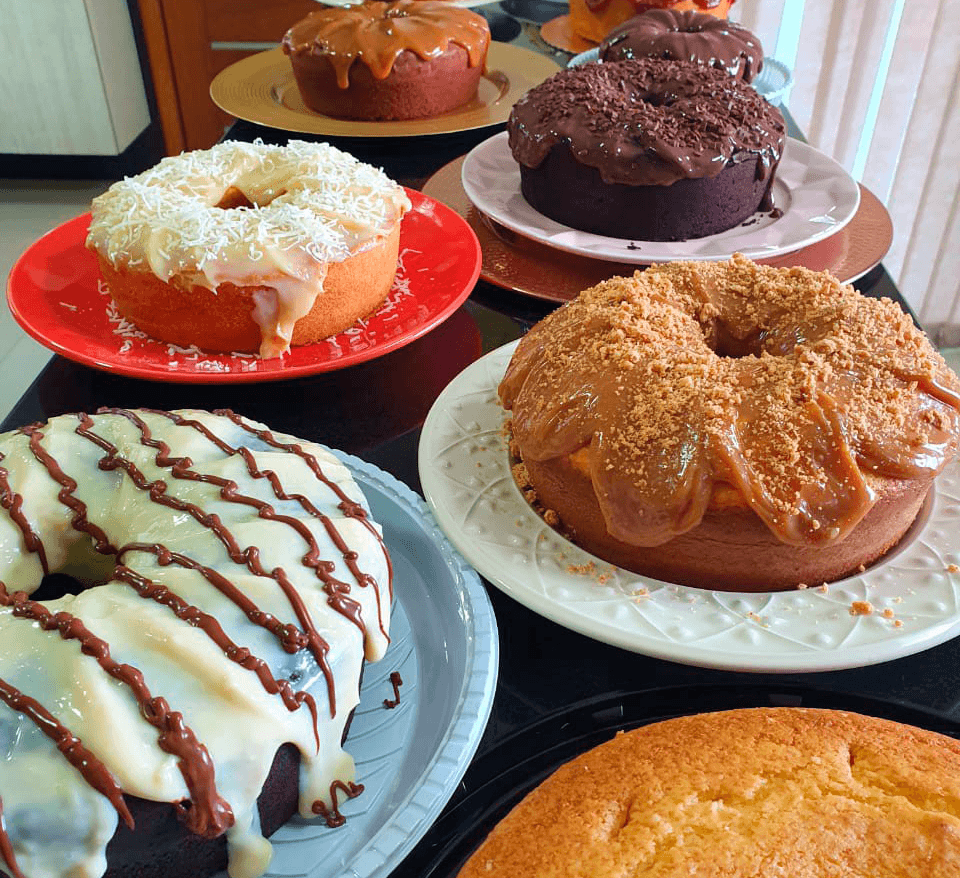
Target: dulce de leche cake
753	793
730	425
407	59
594	19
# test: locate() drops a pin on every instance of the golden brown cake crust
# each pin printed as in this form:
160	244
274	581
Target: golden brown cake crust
756	793
222	320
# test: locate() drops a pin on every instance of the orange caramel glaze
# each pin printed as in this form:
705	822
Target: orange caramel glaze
376	33
708	6
693	378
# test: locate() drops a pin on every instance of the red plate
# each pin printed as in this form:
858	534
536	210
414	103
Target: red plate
54	294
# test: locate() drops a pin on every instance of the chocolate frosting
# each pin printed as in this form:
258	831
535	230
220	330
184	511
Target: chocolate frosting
647	121
686	36
376	33
644	5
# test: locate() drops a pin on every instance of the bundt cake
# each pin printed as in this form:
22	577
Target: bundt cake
731	426
249	247
686	36
235	585
648	149
406	59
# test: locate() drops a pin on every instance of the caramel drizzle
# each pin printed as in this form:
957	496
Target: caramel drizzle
377	33
641	6
396	681
6	848
94	772
249	557
347	506
209	815
12	502
332	815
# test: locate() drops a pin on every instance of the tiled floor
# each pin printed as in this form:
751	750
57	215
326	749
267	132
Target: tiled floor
29	209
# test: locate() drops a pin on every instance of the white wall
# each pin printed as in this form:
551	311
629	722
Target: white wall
70	79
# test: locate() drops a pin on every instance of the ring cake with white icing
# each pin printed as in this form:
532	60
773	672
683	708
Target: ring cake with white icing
237	586
249	246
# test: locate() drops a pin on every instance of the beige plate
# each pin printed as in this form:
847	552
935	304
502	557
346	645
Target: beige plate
261	89
524	266
558	33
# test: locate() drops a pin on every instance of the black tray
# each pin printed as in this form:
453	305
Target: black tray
498	779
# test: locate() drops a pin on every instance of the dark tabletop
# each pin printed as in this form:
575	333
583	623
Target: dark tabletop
551	680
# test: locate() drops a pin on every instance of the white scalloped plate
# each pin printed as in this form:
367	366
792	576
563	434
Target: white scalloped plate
466	478
410	759
816	195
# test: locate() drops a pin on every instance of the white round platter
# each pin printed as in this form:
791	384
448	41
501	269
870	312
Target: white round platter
816	195
444	645
913	593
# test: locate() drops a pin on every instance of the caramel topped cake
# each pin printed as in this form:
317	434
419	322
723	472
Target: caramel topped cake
751	793
731	425
595	19
367	49
197	693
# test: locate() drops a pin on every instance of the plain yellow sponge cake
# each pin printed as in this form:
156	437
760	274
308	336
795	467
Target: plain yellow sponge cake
754	793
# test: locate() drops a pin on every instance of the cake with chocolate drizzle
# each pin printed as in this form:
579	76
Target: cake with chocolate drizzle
194	692
646	149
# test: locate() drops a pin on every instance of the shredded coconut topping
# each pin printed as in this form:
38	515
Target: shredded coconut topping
309	204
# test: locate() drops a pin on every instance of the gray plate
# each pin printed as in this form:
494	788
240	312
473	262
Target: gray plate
410	759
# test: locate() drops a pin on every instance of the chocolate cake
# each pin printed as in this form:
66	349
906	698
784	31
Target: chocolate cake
161	723
686	36
646	149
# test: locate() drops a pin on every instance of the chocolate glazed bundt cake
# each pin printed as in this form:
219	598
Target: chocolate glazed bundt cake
646	149
686	36
236	586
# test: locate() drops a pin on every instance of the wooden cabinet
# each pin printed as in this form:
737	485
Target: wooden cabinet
190	41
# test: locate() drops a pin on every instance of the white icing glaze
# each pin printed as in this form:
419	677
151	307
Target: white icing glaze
57	823
312	205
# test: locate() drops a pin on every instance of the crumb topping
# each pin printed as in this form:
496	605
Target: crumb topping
794	389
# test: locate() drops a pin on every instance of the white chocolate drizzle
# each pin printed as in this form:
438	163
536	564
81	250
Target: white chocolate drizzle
246	585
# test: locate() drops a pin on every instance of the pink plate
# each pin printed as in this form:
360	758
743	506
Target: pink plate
55	294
